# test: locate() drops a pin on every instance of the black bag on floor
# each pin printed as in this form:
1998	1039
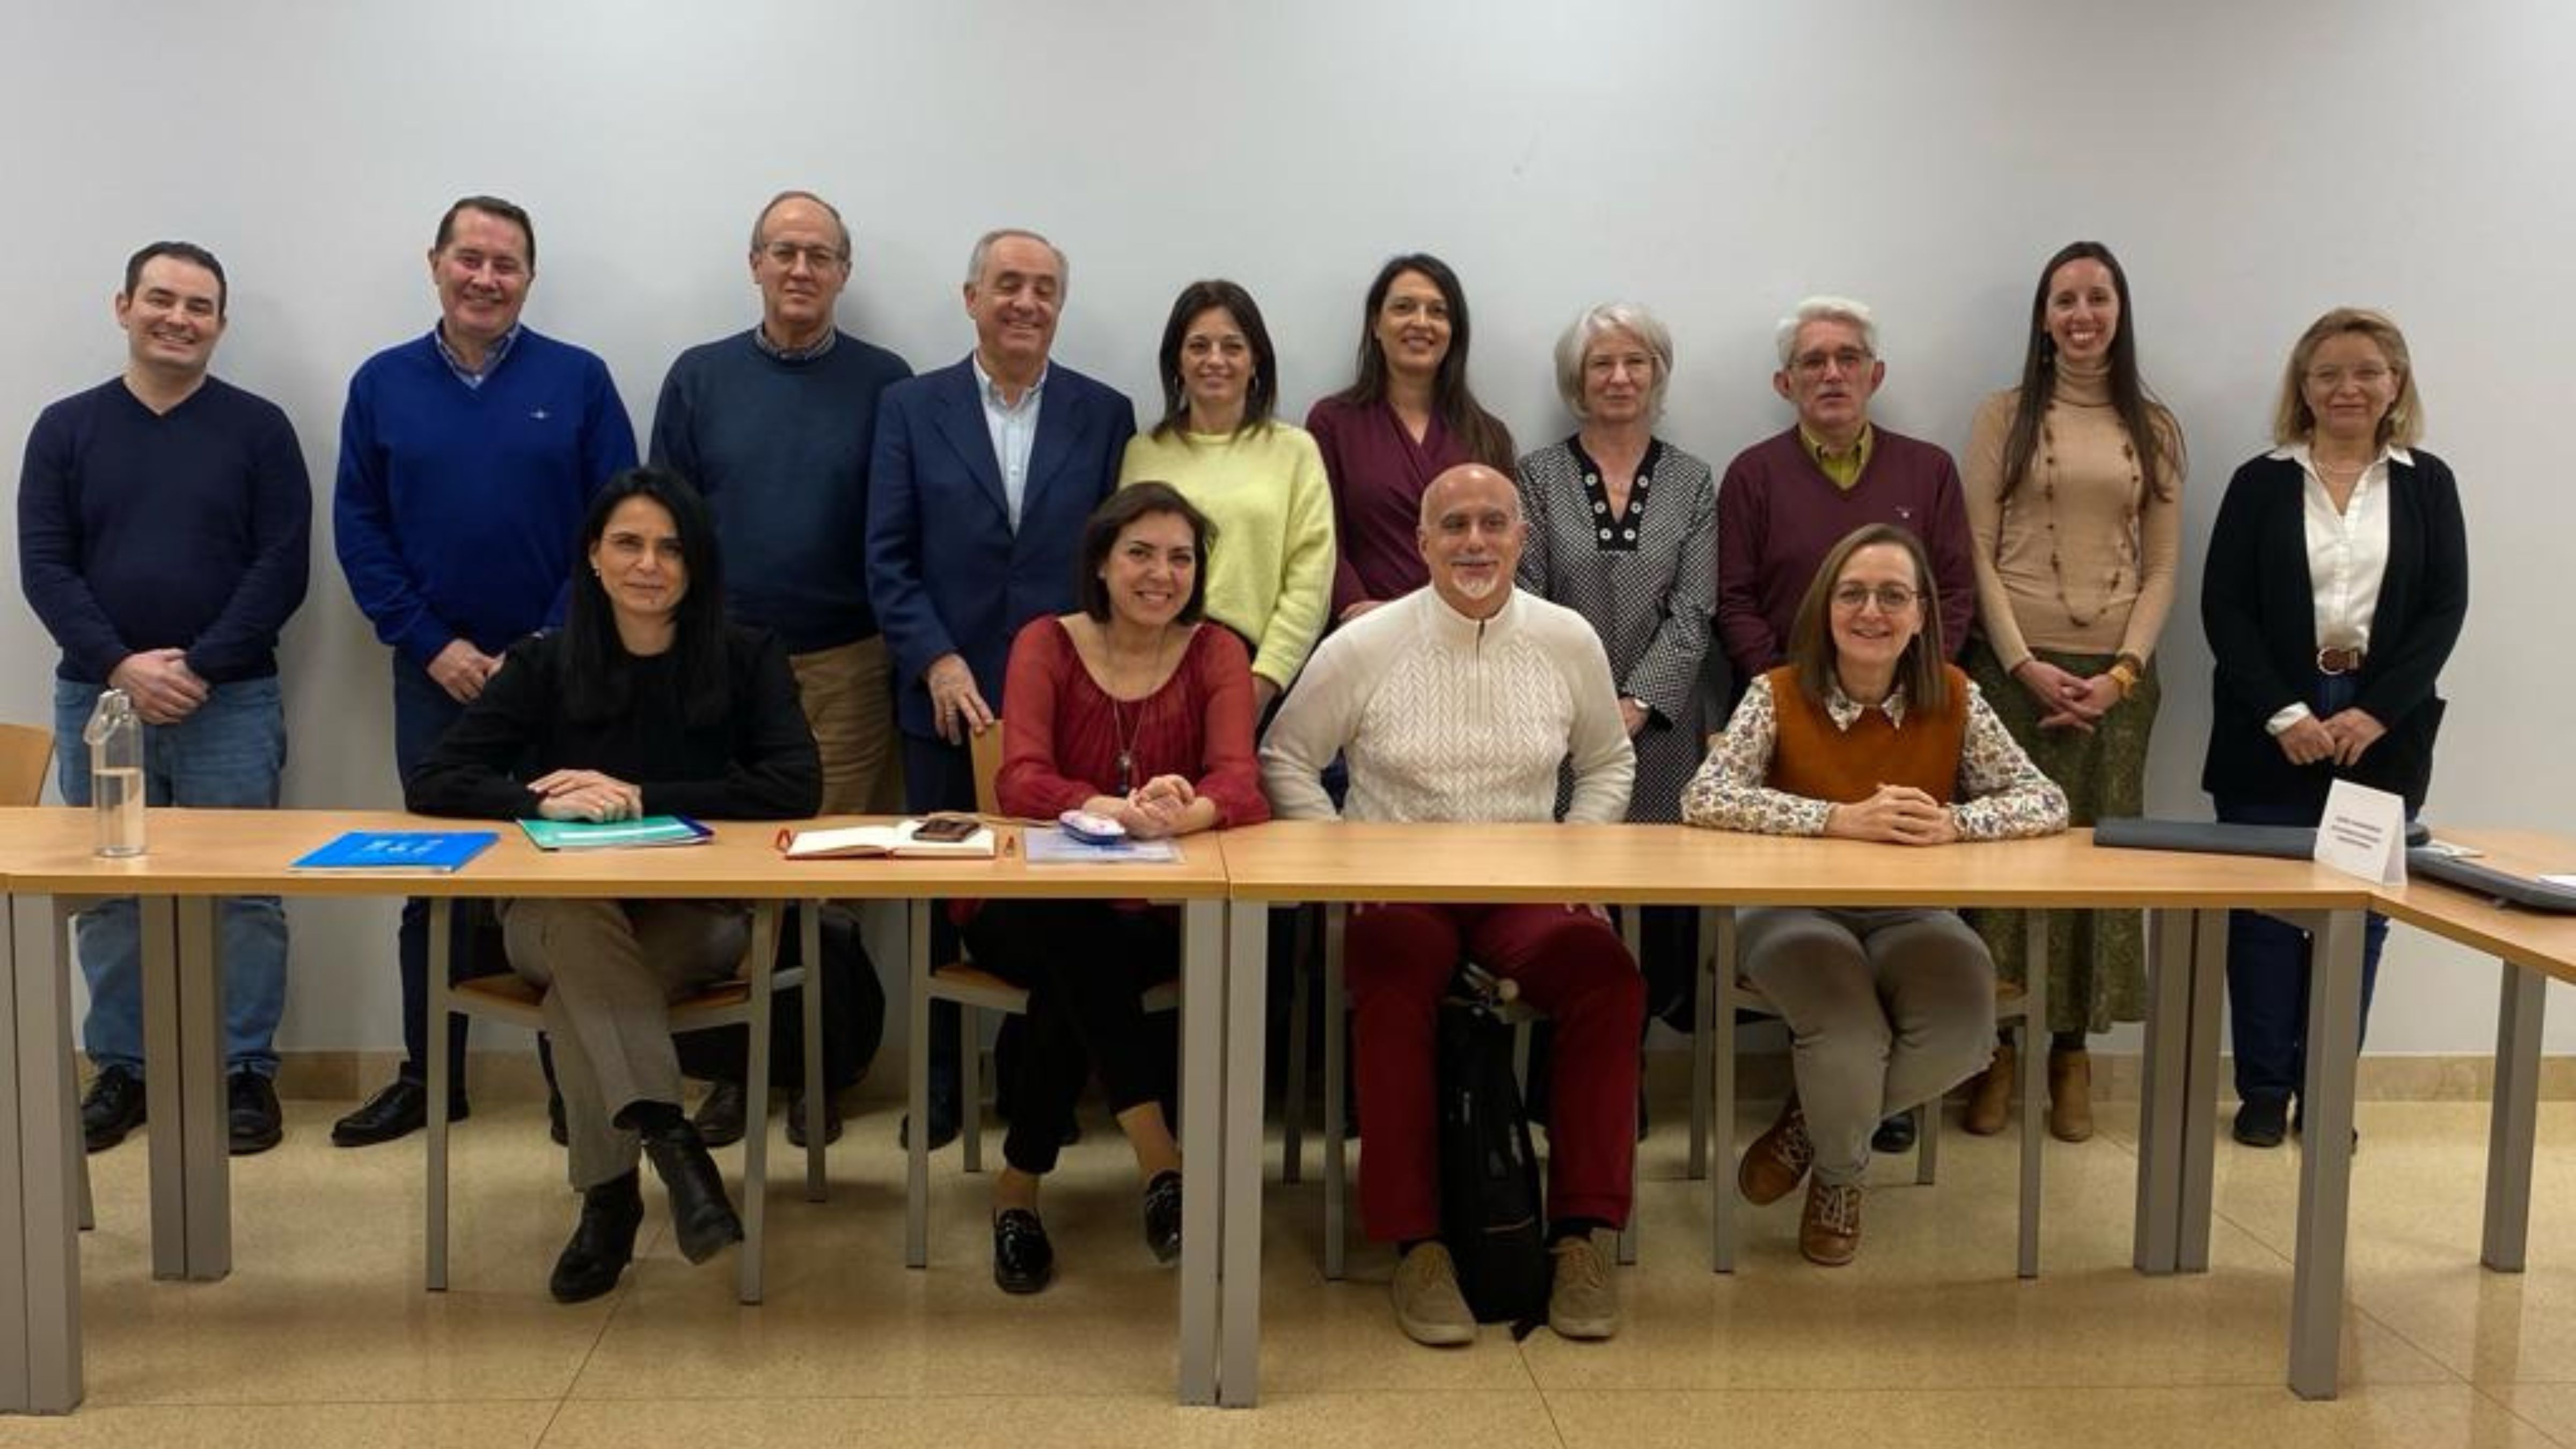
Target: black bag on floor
1489	1195
854	1010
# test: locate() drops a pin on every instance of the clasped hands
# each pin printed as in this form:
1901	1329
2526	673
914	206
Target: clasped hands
2340	738
586	795
161	685
1152	810
1897	814
2067	701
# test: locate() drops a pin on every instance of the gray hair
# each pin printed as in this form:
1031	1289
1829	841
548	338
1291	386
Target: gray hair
1826	309
1598	322
781	199
984	247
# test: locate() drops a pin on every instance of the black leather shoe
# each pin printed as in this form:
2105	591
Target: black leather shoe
2262	1123
252	1118
1894	1134
1163	1215
113	1108
943	1123
1023	1259
556	1131
603	1242
719	1117
796	1119
2299	1121
702	1217
398	1110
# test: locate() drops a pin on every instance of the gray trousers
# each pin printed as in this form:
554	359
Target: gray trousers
1886	1009
610	970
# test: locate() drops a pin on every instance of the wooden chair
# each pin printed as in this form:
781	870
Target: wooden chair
1337	1076
974	991
1724	992
26	761
744	1000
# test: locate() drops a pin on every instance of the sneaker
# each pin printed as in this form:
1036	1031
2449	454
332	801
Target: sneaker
1583	1300
1163	1216
1829	1230
2262	1122
1778	1159
113	1108
252	1116
1428	1306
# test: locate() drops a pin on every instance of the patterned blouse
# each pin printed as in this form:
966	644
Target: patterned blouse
2002	795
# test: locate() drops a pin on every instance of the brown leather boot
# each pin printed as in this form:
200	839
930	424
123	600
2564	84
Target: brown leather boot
1778	1159
2070	1094
1829	1230
1990	1095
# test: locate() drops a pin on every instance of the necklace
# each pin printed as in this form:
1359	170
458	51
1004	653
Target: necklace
1118	715
2125	543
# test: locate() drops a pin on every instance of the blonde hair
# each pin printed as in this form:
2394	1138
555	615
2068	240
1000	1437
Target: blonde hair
2403	425
1574	347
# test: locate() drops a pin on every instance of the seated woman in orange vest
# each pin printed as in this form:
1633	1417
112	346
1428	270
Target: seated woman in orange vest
1866	734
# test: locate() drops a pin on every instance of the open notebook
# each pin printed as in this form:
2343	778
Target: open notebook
859	841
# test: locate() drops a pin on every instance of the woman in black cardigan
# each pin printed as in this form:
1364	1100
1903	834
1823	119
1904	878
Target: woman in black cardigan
2337	580
646	703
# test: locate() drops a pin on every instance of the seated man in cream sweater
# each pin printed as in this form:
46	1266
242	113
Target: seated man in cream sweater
1459	702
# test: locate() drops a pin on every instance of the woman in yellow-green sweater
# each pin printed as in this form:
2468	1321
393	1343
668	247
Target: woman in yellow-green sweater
1260	480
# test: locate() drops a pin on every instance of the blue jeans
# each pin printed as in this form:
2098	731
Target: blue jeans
422	713
226	755
2267	958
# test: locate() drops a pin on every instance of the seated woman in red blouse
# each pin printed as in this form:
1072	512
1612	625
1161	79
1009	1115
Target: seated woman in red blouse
1133	710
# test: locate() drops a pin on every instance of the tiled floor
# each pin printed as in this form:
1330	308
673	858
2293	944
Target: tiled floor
323	1334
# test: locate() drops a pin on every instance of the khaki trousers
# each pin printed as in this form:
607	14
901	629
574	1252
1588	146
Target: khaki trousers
849	705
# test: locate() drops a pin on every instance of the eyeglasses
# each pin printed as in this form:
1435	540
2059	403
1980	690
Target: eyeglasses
1890	598
1814	364
785	254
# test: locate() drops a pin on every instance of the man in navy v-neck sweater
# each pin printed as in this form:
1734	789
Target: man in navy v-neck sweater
164	519
467	459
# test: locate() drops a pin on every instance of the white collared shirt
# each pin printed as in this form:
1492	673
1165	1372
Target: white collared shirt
2347	555
1014	427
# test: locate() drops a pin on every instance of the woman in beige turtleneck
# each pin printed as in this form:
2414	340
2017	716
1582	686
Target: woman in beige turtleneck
2074	492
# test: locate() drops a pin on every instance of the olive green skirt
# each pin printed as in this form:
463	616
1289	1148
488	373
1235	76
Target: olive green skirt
2096	959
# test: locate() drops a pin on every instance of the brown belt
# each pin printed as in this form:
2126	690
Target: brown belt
2338	661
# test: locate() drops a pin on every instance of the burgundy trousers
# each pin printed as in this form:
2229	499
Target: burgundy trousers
1571	965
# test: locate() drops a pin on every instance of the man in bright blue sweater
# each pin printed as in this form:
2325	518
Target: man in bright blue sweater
467	459
774	425
163	522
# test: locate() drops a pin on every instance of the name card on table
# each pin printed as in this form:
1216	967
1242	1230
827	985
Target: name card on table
2363	833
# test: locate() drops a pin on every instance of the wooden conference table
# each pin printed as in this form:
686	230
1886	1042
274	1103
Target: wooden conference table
198	856
2186	896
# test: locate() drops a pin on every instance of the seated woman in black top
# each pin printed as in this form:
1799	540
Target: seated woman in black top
646	703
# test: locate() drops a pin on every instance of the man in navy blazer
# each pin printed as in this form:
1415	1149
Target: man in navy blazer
983	476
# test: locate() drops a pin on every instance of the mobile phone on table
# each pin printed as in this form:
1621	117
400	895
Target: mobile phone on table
947	829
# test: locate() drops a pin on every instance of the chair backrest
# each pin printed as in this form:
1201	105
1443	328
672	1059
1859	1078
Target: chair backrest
26	753
987	750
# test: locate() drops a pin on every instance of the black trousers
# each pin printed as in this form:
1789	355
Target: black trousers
1085	965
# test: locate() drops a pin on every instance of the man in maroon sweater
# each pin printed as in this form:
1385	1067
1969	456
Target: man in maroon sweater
1787	500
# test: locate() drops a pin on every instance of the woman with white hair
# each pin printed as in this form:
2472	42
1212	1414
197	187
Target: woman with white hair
1623	530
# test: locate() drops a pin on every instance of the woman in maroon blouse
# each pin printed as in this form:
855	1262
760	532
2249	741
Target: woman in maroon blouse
1129	708
1407	418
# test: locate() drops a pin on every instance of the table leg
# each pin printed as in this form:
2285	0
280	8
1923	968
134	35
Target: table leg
40	1342
810	951
2515	1118
205	1113
916	1177
2162	1075
164	1101
2325	1156
1246	1006
1204	1101
2200	1093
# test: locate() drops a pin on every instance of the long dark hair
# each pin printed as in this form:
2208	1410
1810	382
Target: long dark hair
598	672
1811	639
2151	428
1487	440
1260	397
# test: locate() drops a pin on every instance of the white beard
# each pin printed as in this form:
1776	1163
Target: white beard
1477	588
